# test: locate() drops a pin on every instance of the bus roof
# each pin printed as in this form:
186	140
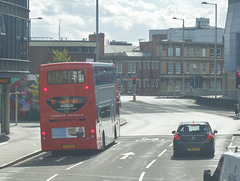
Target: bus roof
94	64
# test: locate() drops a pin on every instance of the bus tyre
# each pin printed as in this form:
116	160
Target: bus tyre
103	142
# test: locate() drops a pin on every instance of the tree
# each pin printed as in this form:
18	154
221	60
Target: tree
61	56
34	89
57	57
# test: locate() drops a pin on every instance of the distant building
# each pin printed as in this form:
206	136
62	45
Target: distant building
40	51
14	21
232	48
158	64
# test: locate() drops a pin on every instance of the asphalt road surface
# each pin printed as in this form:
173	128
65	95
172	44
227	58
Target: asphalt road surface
144	150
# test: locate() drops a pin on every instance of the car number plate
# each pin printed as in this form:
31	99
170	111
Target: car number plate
69	146
193	149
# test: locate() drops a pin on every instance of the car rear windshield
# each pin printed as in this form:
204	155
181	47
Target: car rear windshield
193	128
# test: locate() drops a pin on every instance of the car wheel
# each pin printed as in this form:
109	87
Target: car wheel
175	153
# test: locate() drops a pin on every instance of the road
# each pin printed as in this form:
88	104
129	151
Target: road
144	150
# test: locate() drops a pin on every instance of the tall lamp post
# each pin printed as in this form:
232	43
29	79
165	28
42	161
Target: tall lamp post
30	28
215	49
183	78
97	31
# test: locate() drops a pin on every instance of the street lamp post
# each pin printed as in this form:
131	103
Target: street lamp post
30	20
97	31
215	49
183	78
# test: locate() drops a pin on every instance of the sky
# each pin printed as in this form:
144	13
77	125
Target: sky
119	20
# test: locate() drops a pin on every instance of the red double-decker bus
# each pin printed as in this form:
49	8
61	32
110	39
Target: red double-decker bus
78	106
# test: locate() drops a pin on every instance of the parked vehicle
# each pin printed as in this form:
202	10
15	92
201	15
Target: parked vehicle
194	137
228	168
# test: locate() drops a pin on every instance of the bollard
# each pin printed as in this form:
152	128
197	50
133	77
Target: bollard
134	97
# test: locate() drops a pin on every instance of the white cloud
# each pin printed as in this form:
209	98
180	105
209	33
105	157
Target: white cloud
124	20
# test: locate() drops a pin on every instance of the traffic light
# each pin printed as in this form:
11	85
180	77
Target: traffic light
238	80
134	80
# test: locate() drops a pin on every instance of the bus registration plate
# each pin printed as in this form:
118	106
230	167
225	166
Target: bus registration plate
69	146
193	149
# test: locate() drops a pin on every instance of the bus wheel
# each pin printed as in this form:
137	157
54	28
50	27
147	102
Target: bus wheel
103	142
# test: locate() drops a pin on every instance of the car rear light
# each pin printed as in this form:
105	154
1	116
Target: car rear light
210	137
177	137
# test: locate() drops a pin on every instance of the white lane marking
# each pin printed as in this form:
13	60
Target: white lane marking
60	159
231	141
4	143
150	164
162	153
141	176
52	177
170	145
126	155
74	166
116	144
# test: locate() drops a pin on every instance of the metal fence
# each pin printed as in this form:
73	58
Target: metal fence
209	93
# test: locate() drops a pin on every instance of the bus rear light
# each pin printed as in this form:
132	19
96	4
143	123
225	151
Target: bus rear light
86	87
45	89
92	131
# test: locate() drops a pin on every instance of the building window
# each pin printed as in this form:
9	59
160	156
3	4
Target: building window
197	52
188	52
130	86
218	52
170	51
204	69
153	65
178	52
131	67
218	68
212	68
144	83
170	68
219	85
148	83
178	68
204	52
212	52
188	68
156	84
119	86
152	83
140	83
204	84
212	85
156	65
119	67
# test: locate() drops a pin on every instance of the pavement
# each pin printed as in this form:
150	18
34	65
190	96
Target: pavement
22	143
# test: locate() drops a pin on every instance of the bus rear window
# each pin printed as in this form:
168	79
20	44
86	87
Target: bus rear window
66	77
